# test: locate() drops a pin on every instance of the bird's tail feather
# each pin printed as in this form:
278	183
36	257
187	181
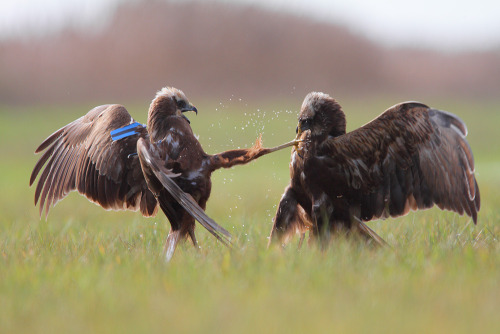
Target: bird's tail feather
190	205
366	230
165	176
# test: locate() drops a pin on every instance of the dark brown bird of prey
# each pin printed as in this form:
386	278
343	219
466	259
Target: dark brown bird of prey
410	157
121	164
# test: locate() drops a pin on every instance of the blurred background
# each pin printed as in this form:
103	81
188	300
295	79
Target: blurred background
102	51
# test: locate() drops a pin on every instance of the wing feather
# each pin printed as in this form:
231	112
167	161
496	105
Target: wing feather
43	178
410	157
56	175
63	171
70	175
38	166
82	156
50	139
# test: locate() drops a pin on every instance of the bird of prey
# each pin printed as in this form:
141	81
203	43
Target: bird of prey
410	157
121	164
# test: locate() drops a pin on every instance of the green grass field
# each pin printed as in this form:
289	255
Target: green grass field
86	270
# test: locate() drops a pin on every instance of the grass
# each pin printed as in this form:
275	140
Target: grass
86	270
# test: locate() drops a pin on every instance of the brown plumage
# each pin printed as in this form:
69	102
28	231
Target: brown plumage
410	157
120	164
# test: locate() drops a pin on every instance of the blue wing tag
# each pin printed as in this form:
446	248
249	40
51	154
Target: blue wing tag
125	131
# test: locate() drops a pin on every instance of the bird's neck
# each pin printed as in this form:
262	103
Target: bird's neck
159	124
157	130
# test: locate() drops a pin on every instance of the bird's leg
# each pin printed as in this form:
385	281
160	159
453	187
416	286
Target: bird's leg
171	243
287	221
294	142
230	158
322	210
193	238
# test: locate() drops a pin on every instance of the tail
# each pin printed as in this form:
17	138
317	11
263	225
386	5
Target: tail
165	176
367	231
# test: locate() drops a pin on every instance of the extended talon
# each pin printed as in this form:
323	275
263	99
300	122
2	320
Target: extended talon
258	142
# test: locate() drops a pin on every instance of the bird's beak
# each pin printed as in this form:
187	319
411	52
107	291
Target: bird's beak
190	108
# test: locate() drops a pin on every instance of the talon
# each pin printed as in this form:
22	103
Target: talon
258	142
298	149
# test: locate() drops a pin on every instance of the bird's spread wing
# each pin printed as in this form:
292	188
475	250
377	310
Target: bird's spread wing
95	155
155	164
410	157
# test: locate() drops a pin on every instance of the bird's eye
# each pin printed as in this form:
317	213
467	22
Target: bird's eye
305	124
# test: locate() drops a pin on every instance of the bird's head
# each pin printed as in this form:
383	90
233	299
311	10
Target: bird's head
322	116
170	101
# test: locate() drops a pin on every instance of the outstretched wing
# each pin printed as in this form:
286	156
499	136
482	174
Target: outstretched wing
410	157
158	176
95	155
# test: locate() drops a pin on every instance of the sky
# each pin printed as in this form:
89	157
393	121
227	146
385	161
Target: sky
446	25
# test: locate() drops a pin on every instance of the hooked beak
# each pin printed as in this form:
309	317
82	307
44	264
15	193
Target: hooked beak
190	108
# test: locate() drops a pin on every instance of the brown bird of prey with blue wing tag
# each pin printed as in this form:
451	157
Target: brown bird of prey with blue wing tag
410	157
123	165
